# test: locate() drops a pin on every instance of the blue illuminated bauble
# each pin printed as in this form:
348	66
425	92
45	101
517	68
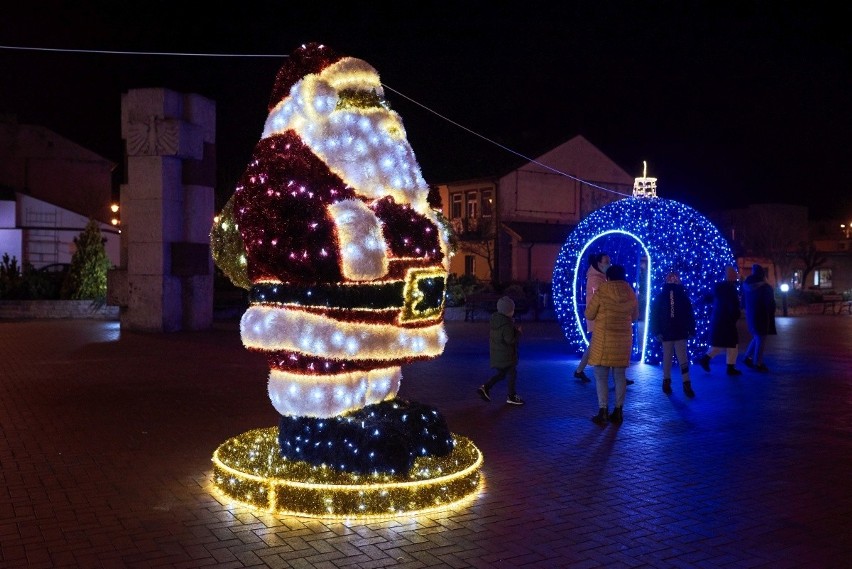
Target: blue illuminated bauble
650	237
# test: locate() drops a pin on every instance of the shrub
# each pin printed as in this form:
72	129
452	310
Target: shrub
87	276
28	283
10	277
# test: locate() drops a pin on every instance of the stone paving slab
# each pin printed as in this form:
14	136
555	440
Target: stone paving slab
106	438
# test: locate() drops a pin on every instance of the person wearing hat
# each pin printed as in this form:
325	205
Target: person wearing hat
503	351
614	308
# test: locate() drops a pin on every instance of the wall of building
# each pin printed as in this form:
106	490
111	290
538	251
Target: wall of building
39	162
47	233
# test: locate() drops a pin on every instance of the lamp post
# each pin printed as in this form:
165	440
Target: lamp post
785	288
846	228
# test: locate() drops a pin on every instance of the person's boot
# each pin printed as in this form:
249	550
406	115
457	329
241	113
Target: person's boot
601	417
581	375
704	362
733	371
687	389
667	386
617	417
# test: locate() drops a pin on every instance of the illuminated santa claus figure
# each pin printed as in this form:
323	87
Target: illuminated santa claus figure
347	261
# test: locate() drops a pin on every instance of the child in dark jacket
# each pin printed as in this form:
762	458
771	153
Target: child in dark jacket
503	350
672	322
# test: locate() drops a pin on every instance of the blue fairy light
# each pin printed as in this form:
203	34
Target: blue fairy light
650	237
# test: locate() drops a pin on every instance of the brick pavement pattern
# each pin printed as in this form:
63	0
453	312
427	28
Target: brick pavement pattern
106	439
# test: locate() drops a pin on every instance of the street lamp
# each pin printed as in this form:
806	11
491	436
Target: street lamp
785	288
846	228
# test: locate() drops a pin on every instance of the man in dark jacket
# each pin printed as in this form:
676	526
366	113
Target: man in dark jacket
760	316
723	323
503	350
672	322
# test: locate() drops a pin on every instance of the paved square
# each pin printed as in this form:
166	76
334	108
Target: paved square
106	439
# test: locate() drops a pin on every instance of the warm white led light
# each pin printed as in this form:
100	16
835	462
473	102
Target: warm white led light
363	249
331	395
273	328
249	469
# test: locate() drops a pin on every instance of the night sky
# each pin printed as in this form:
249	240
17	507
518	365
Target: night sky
730	103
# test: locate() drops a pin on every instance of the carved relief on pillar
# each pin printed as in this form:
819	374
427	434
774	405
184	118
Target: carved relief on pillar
153	136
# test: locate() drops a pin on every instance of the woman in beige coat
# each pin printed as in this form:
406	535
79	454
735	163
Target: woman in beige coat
614	308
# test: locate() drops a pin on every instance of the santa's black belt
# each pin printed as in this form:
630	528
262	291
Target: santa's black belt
372	296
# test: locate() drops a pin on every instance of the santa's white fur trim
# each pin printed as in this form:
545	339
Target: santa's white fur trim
366	147
331	395
283	328
351	73
363	251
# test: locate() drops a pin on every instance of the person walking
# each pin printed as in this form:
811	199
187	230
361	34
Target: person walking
614	308
595	277
503	351
723	323
672	322
760	316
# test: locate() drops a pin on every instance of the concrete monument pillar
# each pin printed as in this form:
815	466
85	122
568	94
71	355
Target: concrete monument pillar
165	280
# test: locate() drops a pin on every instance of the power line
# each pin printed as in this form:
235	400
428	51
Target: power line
437	114
116	52
507	149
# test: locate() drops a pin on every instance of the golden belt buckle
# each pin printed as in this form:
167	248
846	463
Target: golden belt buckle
412	295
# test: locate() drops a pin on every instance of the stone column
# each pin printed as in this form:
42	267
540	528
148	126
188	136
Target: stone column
165	281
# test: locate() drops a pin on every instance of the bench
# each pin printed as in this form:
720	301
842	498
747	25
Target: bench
834	304
486	303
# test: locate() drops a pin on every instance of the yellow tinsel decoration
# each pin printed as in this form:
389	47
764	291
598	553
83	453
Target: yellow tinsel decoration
228	249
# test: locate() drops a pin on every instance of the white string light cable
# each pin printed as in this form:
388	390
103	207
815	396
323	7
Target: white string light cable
437	114
507	149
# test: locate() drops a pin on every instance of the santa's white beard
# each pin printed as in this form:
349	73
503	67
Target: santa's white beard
366	148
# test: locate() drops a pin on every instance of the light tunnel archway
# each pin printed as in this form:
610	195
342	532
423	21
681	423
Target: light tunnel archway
634	270
671	236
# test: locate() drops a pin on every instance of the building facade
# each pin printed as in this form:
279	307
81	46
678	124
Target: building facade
511	226
49	189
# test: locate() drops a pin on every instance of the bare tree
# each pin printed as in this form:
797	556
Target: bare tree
773	232
808	254
476	236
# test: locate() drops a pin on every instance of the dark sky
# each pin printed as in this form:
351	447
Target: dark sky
729	102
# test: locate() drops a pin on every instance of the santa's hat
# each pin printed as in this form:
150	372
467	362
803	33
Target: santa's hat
307	59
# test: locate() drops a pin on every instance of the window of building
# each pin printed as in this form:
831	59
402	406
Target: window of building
822	278
470	265
472	201
796	279
487	203
456	206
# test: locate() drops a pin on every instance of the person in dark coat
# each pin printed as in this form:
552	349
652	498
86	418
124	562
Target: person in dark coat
760	316
503	350
723	323
672	322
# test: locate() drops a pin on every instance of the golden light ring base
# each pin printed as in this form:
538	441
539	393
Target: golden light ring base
248	469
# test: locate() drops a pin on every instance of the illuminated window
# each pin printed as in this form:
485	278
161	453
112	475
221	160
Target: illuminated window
796	279
487	203
470	265
472	200
822	278
456	206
